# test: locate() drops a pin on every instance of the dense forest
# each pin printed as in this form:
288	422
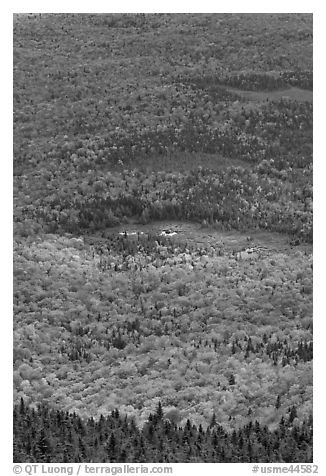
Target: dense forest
44	435
163	228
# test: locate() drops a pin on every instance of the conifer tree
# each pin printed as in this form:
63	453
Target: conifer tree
159	412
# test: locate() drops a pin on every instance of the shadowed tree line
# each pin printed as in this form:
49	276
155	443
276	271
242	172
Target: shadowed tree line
47	435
